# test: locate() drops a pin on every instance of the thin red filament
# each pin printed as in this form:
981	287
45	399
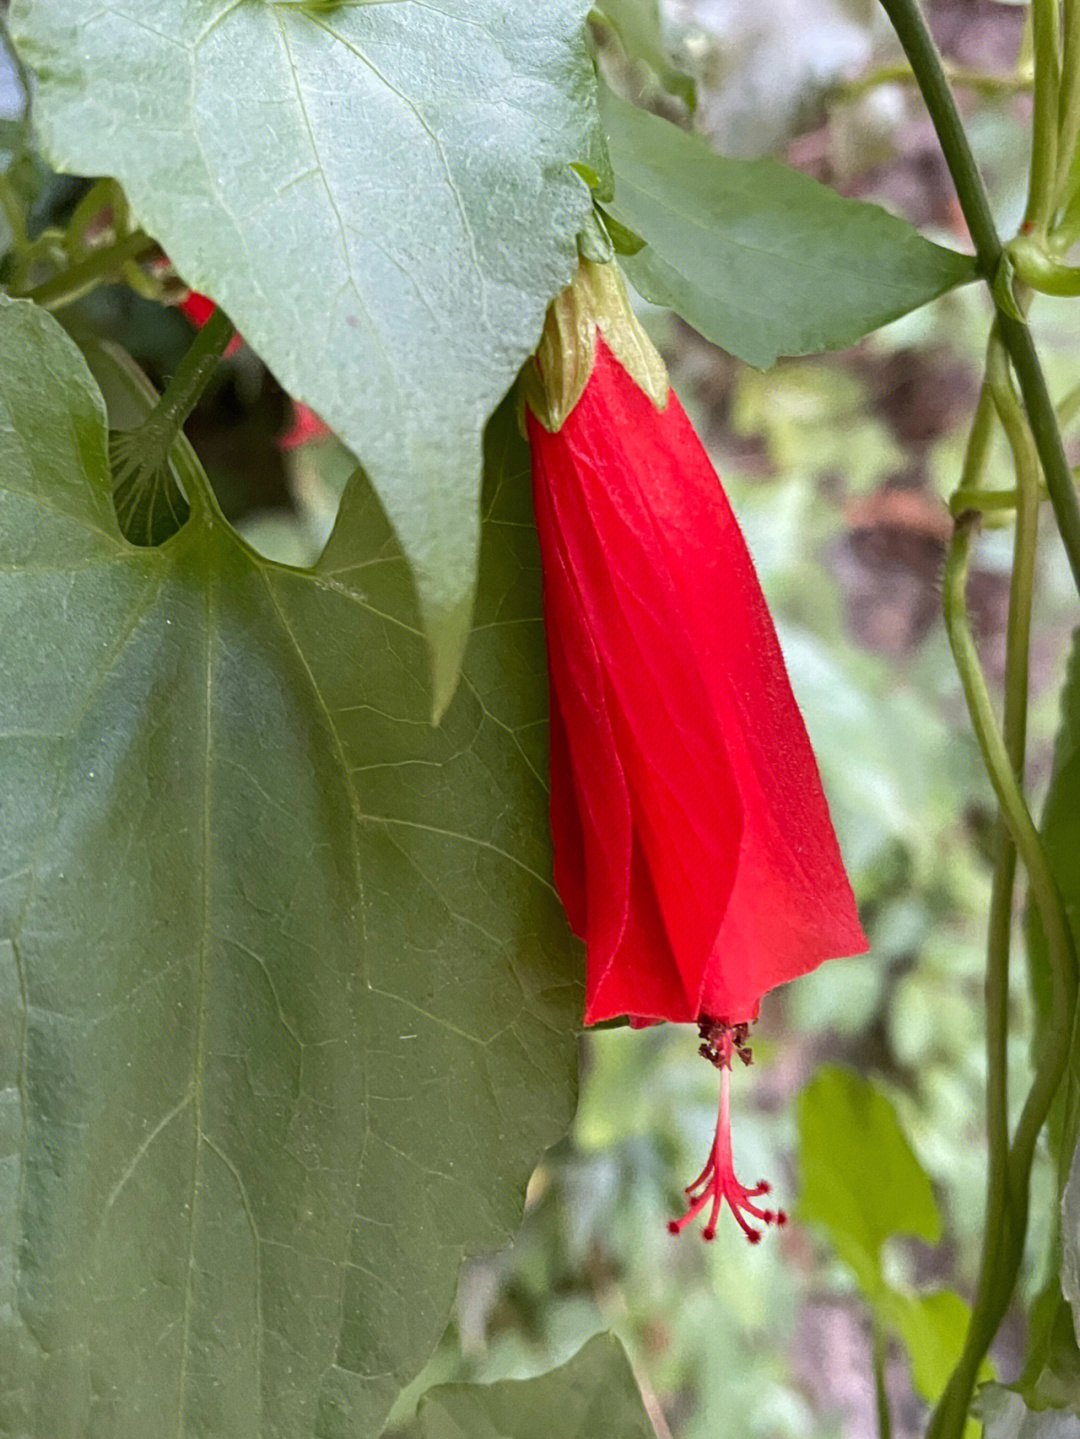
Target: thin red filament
718	1182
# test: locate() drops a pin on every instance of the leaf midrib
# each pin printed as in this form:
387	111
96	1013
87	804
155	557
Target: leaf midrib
200	1027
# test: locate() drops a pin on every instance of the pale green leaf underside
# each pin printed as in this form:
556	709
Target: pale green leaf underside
593	1396
761	259
286	998
380	195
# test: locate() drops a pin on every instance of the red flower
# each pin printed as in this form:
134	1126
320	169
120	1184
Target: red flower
693	847
306	426
198	308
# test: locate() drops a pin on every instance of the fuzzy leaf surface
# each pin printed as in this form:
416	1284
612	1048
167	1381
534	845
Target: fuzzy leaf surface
379	195
286	997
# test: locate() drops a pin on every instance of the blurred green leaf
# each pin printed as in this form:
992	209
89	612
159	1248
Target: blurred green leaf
860	1178
730	242
818	421
287	1000
380	196
594	1396
932	1328
640	28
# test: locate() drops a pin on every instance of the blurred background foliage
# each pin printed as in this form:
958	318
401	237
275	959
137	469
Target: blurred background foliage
839	468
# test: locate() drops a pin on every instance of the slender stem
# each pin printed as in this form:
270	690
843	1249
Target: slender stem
910	26
1008	1185
1045	27
1002	1264
901	73
1018	631
1035	266
992	504
999	926
147	447
977	453
70	284
881	1392
1069	93
1044	427
1014	735
194	371
912	31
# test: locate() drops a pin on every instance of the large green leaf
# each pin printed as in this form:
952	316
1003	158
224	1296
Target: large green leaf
594	1396
860	1178
286	997
761	259
380	195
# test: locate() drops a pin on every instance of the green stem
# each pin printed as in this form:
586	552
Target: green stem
926	63
1069	94
998	1216
147	448
881	1392
1014	735
901	73
70	284
1045	27
1006	1247
911	29
990	503
1044	427
977	453
1033	265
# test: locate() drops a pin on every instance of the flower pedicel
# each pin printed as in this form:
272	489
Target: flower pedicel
694	851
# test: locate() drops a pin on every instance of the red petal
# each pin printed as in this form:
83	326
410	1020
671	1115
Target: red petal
198	308
677	724
306	426
591	813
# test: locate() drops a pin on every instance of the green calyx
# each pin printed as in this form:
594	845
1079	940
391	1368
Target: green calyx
594	301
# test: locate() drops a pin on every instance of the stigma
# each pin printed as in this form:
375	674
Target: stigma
717	1184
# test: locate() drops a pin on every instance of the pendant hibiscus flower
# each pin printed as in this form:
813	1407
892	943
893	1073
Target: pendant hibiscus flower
694	851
